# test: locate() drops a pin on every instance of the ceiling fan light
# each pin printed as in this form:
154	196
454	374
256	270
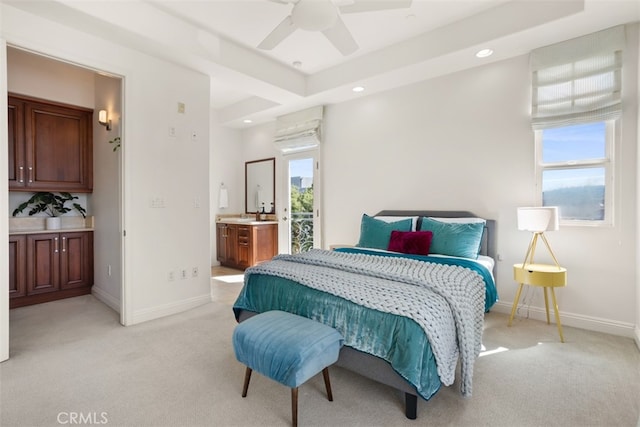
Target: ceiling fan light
314	15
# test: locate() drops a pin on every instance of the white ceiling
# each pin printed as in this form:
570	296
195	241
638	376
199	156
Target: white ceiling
396	47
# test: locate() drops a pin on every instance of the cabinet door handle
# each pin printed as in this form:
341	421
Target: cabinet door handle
30	174
55	248
21	174
64	244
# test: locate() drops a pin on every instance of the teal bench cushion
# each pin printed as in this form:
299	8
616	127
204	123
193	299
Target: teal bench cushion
285	347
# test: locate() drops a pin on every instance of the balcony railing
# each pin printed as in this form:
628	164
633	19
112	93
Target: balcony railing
301	231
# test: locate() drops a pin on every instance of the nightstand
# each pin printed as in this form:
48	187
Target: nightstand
542	275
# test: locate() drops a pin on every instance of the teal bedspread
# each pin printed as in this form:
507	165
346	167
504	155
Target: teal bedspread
396	339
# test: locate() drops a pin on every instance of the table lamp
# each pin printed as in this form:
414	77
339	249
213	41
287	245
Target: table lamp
537	220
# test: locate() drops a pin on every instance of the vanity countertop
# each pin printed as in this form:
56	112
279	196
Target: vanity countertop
247	221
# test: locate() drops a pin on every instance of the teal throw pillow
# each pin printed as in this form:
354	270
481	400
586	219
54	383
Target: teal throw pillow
453	238
375	233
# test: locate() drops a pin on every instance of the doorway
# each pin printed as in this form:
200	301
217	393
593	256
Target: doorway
301	221
45	77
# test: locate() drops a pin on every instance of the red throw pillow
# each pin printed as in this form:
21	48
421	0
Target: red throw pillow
410	242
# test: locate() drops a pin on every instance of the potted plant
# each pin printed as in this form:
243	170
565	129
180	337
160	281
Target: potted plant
51	204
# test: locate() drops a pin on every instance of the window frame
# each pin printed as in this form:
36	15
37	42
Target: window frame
607	162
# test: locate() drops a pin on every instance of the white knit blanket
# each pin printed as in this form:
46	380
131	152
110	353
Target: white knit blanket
447	301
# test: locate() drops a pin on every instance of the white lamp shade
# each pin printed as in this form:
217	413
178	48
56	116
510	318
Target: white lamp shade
538	219
102	116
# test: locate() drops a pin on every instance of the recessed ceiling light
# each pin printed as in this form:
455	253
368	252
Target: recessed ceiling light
484	53
297	64
358	89
247	121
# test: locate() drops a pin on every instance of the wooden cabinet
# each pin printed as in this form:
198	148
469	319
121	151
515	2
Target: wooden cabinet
49	266
17	266
227	243
50	146
244	245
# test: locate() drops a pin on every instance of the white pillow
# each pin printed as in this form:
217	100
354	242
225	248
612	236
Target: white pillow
460	220
414	220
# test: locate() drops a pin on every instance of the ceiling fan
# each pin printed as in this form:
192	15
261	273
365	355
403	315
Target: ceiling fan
324	16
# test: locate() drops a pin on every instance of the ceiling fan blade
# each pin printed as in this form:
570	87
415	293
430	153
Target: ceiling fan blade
373	5
340	36
281	32
340	3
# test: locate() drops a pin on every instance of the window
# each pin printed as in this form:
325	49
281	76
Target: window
574	170
576	105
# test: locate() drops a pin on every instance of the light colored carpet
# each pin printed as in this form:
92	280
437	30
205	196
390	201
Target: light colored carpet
72	357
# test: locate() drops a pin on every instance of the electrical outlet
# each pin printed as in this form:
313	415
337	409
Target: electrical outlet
171	276
172	131
183	273
194	272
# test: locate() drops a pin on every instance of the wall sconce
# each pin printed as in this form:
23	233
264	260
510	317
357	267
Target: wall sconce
103	119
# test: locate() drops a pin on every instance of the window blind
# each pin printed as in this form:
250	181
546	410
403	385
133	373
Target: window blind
299	131
578	80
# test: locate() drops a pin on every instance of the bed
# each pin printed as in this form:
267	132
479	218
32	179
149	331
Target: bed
408	318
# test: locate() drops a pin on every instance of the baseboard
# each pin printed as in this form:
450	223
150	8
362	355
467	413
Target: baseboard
106	298
637	338
589	323
169	309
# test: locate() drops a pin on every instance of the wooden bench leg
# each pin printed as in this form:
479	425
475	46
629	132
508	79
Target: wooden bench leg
247	378
294	406
327	383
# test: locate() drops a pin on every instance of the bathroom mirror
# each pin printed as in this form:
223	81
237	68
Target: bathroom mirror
260	185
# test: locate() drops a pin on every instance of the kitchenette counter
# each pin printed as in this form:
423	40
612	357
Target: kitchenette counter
36	225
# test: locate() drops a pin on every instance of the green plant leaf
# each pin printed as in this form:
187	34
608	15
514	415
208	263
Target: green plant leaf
49	203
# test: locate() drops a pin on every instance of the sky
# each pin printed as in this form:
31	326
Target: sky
578	142
301	167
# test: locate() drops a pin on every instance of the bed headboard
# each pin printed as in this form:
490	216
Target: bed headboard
488	244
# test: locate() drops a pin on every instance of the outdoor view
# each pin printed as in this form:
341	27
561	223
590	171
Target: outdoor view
578	191
301	173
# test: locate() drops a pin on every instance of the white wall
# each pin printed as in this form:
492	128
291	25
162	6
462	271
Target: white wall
106	198
42	77
155	165
464	142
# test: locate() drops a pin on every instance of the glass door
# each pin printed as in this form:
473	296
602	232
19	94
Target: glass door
301	220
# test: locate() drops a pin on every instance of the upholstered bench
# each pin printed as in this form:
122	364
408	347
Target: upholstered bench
287	348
